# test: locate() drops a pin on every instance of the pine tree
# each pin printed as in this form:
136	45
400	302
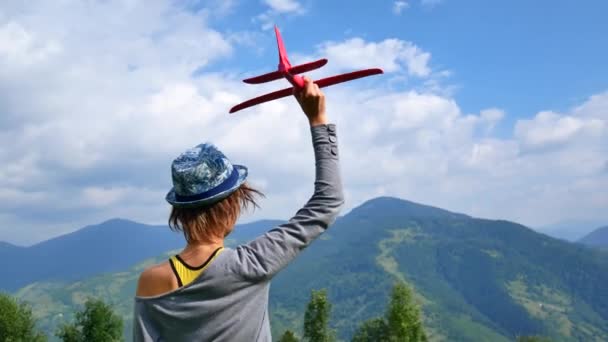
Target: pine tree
316	318
17	322
372	330
401	323
288	336
95	323
403	316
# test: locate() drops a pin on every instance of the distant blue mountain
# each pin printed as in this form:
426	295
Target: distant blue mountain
570	230
5	246
111	246
7	250
597	238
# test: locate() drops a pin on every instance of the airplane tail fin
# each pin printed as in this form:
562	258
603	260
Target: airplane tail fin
283	60
284	65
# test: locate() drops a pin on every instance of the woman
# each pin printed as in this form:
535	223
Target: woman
211	293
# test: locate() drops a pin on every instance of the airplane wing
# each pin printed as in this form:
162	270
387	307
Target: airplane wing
271	76
275	75
298	69
261	99
325	82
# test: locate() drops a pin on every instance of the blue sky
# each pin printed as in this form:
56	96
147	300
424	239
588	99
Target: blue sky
497	110
522	56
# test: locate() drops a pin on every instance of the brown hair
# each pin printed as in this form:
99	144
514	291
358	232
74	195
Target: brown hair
202	224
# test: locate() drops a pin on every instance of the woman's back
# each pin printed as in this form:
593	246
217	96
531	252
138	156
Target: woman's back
181	269
220	305
228	299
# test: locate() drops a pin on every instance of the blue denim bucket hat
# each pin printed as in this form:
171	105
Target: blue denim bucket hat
202	176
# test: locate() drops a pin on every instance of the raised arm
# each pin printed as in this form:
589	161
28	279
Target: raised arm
263	257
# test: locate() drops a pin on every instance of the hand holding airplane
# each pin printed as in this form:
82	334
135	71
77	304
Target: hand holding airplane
285	70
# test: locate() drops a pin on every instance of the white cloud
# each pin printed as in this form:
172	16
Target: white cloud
80	102
595	107
423	147
548	129
277	8
400	6
20	48
284	6
101	197
490	117
267	19
392	55
221	7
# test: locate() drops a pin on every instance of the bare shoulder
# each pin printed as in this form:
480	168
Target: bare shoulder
156	280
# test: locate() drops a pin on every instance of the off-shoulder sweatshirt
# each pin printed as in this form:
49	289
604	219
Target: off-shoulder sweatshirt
229	300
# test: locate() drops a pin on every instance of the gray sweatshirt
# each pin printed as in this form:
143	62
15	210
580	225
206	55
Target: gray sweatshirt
229	300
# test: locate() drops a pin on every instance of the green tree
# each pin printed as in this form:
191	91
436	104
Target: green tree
373	330
316	318
288	336
16	321
97	322
69	333
403	316
401	323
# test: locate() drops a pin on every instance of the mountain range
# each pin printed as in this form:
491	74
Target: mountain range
597	238
475	279
570	230
111	246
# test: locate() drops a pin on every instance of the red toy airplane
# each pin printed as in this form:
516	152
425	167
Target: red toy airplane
285	70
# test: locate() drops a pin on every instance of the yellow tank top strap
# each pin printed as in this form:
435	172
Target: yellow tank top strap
185	273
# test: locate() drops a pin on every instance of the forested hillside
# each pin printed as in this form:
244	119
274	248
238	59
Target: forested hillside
475	279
